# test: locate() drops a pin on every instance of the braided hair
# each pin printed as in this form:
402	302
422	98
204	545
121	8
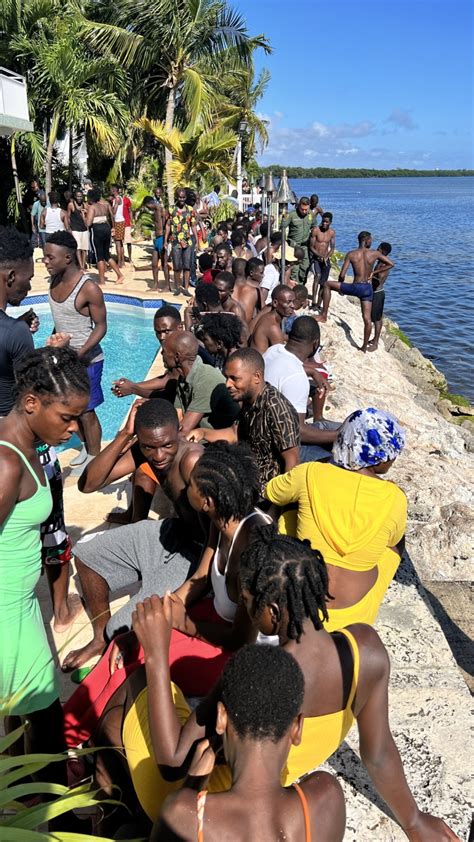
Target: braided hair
52	372
227	473
286	571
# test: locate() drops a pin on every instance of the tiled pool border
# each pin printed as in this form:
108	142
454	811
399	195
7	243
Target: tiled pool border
113	298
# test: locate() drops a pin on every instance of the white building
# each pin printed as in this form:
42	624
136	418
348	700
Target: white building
14	114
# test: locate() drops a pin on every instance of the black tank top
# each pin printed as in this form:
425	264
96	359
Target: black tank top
77	220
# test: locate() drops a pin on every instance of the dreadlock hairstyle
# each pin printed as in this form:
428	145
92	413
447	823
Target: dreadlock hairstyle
53	372
277	568
227	473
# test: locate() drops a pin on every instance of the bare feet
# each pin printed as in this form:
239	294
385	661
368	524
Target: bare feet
74	608
119	517
120	279
79	657
363	348
321	318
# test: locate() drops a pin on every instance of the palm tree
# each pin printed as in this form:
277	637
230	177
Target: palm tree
196	153
239	103
183	44
79	92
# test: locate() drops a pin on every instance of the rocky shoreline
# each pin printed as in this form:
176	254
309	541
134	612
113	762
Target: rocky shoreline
430	701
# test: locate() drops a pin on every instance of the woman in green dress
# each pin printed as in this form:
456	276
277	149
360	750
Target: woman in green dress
52	390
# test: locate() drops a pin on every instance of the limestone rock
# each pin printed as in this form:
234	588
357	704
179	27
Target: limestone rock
436	470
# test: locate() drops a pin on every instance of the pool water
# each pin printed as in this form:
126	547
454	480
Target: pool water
129	346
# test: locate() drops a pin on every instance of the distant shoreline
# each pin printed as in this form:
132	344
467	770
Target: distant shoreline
356	172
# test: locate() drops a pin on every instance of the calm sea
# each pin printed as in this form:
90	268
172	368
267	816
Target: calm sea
429	222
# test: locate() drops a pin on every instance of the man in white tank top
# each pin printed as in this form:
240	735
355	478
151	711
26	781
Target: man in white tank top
54	218
78	308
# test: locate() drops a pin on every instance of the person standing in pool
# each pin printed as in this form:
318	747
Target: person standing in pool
78	308
362	260
379	276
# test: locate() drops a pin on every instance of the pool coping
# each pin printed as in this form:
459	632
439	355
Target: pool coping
133	300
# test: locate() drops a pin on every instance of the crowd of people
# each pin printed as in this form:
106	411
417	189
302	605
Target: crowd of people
247	648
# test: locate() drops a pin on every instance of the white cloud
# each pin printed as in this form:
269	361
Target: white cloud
402	118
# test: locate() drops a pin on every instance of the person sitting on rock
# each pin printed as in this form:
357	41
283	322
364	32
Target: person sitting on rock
267	329
258	729
348	513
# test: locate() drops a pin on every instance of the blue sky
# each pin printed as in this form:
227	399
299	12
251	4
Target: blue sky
367	83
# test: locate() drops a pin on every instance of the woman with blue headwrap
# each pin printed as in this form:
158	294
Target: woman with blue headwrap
350	514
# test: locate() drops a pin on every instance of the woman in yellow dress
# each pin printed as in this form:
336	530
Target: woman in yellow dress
355	519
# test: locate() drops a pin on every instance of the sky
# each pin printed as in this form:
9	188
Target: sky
366	83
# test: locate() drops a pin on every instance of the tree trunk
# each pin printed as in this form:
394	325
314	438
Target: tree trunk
53	133
21	210
71	167
168	155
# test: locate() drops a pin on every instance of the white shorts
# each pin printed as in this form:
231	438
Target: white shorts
82	239
127	237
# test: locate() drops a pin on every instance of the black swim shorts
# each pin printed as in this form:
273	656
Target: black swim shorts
377	305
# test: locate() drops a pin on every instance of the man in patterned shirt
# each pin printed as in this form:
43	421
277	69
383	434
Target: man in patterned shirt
179	231
267	421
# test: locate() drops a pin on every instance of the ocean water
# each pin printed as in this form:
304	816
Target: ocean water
429	222
130	347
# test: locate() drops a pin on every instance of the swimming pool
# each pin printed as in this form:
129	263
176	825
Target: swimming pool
130	347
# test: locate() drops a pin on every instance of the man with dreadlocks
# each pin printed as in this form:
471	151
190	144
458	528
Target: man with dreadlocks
285	588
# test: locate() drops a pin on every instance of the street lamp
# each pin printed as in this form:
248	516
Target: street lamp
242	132
269	188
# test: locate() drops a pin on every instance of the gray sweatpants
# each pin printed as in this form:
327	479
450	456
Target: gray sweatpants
152	552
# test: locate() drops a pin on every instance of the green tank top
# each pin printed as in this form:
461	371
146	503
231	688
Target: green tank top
20	541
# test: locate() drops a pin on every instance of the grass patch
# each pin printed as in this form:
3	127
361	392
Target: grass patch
459	400
398	332
458	419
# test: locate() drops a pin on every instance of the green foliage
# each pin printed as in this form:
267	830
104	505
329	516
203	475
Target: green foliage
20	823
458	400
224	210
337	258
357	172
95	68
396	331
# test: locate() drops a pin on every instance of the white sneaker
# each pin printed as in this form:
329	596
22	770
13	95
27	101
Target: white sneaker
80	458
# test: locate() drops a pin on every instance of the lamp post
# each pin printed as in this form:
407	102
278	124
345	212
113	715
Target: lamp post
242	132
268	187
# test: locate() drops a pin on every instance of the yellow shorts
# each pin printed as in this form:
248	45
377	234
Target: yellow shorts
150	787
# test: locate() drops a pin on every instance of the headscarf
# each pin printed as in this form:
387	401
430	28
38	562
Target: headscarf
368	437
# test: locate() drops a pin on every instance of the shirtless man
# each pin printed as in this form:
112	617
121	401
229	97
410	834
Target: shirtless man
223	254
247	289
239	246
362	261
224	283
314	208
158	212
158	554
379	276
322	243
268	329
